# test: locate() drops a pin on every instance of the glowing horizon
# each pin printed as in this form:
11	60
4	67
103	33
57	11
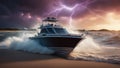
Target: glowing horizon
110	21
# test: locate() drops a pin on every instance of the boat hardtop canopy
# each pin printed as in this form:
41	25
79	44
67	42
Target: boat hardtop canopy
50	19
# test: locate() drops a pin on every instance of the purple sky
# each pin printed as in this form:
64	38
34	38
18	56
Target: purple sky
27	13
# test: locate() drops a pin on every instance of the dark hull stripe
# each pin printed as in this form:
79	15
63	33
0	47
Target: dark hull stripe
57	41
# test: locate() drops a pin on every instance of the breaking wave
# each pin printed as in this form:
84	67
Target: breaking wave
23	43
89	50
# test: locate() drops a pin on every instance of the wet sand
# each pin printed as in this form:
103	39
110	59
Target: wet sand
20	59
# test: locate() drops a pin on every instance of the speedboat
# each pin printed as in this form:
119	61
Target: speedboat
54	35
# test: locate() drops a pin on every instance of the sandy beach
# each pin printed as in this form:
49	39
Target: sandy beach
20	59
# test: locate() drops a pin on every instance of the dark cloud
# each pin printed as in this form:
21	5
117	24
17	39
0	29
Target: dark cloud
32	6
106	4
10	10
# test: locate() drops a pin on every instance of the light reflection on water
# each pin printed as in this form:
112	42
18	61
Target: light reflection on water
89	49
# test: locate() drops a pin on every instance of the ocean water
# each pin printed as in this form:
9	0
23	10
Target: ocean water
20	41
100	46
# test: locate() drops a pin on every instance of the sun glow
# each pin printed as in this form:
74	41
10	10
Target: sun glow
113	21
108	20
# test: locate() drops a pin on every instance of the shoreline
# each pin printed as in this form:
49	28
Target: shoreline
20	59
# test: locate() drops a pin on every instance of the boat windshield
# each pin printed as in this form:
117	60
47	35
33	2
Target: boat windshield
54	31
61	31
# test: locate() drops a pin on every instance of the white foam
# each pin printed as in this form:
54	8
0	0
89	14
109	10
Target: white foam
25	44
88	49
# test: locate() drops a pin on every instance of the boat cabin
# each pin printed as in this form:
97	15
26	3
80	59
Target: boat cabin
50	26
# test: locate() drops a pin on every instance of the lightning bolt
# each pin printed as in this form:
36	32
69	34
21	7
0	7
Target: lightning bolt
63	7
81	7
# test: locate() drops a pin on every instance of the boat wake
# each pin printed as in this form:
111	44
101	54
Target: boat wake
89	50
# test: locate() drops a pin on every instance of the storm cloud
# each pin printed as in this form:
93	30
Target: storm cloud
25	13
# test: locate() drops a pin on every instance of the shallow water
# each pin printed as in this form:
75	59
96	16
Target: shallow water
95	48
98	46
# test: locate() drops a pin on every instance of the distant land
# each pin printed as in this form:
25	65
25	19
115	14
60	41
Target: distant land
28	29
98	30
